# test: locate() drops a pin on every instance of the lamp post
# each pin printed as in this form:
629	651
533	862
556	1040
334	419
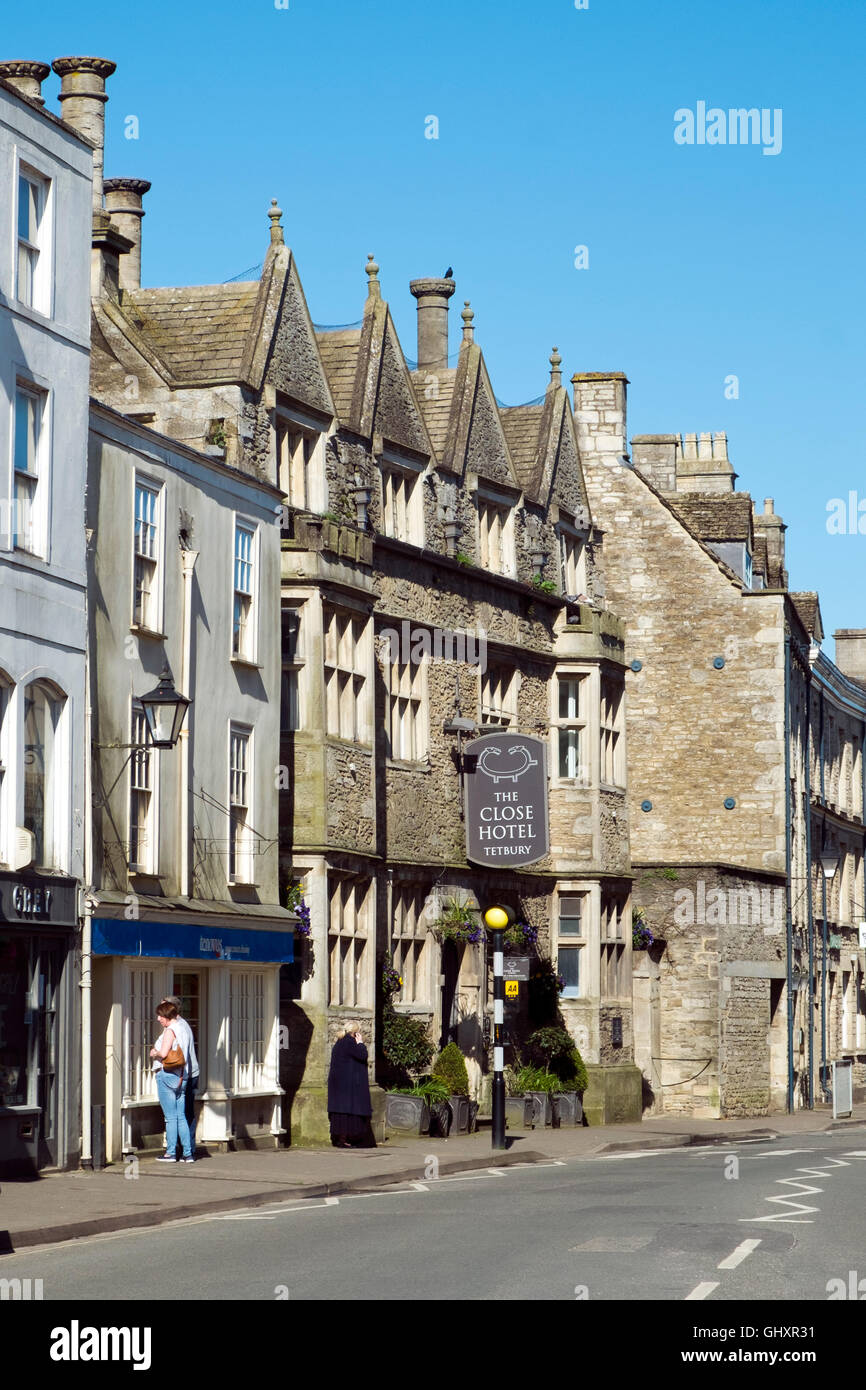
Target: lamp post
497	919
829	865
164	711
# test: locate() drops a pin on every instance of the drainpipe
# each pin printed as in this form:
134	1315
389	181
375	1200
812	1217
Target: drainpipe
789	928
85	982
187	560
809	900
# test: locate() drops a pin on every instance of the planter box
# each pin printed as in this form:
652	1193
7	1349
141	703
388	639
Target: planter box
460	1112
440	1120
567	1109
518	1112
542	1108
473	1117
407	1114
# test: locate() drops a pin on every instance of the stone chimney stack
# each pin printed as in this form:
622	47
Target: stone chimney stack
703	464
26	76
600	412
123	202
851	652
768	524
655	456
83	98
432	297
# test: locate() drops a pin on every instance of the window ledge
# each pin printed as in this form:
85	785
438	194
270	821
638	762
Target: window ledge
404	765
248	662
141	630
241	883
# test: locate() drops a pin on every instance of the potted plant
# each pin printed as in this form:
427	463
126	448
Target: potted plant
538	1086
518	1105
450	1069
418	1109
565	1070
458	922
408	1051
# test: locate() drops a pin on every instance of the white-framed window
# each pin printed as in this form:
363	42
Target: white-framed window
495	536
291	714
611	765
5	696
244	617
572	562
613	958
141	799
409	943
297	456
402	504
247	1029
43	771
348	942
240	805
142	1030
569	728
30	468
498	696
32	277
145	550
347	660
406	711
571	911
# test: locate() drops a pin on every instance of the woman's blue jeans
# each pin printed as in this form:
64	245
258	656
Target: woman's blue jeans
171	1090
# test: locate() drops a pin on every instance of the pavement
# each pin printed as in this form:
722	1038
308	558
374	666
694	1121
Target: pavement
142	1192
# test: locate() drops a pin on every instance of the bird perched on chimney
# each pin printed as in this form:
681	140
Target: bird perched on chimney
449	272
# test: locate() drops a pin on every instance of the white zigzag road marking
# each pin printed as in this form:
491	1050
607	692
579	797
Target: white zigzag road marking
805	1190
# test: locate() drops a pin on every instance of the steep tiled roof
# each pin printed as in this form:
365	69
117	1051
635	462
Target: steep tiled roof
339	353
436	407
199	331
809	612
521	425
726	517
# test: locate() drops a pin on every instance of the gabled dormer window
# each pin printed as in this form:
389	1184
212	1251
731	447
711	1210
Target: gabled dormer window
572	561
496	535
402	503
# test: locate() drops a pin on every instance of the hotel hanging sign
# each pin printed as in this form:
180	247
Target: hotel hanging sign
506	800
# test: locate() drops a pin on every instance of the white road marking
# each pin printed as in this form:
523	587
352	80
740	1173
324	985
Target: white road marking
804	1189
856	1153
332	1201
700	1291
742	1252
781	1153
496	1172
419	1186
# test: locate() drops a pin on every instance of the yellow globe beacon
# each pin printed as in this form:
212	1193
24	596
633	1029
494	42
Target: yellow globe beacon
496	918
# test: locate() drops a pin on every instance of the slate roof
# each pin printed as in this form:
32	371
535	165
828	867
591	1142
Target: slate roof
436	410
726	517
339	353
809	612
199	331
521	425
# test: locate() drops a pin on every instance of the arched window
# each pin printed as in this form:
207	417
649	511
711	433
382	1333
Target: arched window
42	709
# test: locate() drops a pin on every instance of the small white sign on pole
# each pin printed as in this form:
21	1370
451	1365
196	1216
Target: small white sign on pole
843	1088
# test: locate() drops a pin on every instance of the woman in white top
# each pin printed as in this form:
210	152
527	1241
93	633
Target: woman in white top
171	1081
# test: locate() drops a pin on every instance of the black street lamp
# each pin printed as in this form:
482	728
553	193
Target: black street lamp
164	711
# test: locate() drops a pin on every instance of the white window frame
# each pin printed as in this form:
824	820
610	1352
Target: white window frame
147	546
572	560
143	771
574	721
6	753
347	668
495	534
31	484
300	470
350	942
498	688
410	953
248	1030
611	732
56	779
293	692
241	794
244	578
406	711
140	1029
613	954
573	941
402	500
38	252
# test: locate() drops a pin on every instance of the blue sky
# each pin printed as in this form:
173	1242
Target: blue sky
555	130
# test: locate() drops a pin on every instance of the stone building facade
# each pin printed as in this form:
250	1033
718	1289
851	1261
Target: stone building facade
413	503
721	660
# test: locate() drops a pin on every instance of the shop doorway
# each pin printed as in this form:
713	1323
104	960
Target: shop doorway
187	985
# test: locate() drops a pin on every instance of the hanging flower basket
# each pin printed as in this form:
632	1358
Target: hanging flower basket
458	923
295	903
641	935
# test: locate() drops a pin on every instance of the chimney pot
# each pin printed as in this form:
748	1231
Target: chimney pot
26	76
768	506
123	201
83	98
432	296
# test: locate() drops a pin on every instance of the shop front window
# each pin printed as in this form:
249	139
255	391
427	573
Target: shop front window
41	717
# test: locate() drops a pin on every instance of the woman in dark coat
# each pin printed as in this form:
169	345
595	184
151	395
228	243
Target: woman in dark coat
349	1107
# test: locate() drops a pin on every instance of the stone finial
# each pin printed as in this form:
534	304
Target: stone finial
26	77
374	289
275	213
555	364
467	314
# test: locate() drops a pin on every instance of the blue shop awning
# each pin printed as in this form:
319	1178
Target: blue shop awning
188	941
